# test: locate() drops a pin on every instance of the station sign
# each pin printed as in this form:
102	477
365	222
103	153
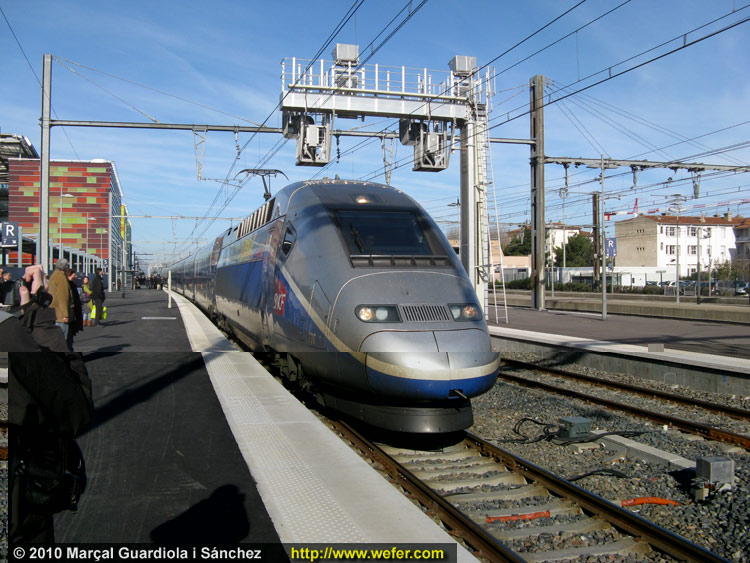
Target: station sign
9	235
611	247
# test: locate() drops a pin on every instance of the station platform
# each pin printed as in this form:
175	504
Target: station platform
719	309
701	354
194	442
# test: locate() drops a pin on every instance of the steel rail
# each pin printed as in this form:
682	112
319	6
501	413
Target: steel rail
658	537
4	448
484	544
460	525
686	425
731	411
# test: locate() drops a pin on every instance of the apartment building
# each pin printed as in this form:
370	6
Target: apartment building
660	241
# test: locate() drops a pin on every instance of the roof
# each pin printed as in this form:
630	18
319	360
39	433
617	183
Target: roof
728	221
13	146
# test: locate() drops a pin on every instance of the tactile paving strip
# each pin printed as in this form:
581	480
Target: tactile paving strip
299	503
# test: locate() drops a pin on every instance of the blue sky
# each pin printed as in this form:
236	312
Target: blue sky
179	61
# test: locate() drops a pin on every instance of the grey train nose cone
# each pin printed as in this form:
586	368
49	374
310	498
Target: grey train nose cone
355	295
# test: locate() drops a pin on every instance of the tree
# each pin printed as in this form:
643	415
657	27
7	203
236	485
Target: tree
520	245
723	271
579	252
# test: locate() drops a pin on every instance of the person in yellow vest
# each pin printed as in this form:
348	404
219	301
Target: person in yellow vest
97	294
86	301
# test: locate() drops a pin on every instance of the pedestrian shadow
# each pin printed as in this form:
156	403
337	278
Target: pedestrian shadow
146	388
219	520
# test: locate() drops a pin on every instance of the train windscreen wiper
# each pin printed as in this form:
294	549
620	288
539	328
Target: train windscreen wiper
357	239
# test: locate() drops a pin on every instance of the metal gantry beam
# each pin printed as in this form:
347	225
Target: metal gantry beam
643	164
207	127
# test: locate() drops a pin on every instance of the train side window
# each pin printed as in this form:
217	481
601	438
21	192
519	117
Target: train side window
290	236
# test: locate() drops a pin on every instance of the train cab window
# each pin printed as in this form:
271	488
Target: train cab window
392	234
290	236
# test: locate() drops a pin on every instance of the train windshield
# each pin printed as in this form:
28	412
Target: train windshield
387	233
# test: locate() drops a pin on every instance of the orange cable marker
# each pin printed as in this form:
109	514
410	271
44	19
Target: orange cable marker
514	517
649	500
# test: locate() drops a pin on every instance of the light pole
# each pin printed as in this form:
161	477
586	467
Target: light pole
677	262
59	223
603	243
677	200
87	264
563	195
699	232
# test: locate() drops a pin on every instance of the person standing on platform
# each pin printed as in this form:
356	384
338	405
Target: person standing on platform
97	294
86	301
49	394
62	298
76	324
6	287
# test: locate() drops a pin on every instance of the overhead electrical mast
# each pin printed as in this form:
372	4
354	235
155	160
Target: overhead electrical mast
436	115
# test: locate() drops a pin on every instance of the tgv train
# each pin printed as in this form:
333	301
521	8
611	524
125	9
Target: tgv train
356	295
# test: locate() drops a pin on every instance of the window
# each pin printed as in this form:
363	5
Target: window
396	237
661	229
692	231
383	233
692	249
671	231
289	237
672	249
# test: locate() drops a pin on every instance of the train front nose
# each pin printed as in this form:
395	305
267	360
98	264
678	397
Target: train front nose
430	365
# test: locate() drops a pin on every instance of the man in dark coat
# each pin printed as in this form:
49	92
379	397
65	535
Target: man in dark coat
62	301
97	294
49	392
76	324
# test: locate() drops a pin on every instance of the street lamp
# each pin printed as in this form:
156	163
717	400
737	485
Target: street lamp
59	223
87	265
676	202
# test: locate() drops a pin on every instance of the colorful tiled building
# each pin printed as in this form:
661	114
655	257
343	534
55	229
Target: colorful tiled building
85	211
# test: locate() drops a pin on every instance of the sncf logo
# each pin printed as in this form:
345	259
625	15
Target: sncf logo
279	298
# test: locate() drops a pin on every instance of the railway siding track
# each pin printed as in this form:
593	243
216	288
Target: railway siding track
690	426
739	413
494	502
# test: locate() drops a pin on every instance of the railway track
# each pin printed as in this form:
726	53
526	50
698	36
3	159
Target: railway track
504	508
692	427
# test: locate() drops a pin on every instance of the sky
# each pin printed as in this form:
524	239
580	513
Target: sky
220	63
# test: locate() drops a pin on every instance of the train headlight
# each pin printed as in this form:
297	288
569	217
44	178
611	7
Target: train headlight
465	312
378	314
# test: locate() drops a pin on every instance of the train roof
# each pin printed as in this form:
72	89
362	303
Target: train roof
342	193
326	191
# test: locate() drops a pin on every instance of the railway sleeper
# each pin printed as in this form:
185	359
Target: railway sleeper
506	478
396	452
626	546
554	508
582	526
524	491
445	470
407	459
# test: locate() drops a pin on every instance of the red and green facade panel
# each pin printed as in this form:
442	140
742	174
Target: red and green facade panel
79	195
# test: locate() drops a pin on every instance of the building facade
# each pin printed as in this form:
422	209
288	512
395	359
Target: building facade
85	202
663	241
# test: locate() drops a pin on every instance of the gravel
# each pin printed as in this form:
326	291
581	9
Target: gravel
720	523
